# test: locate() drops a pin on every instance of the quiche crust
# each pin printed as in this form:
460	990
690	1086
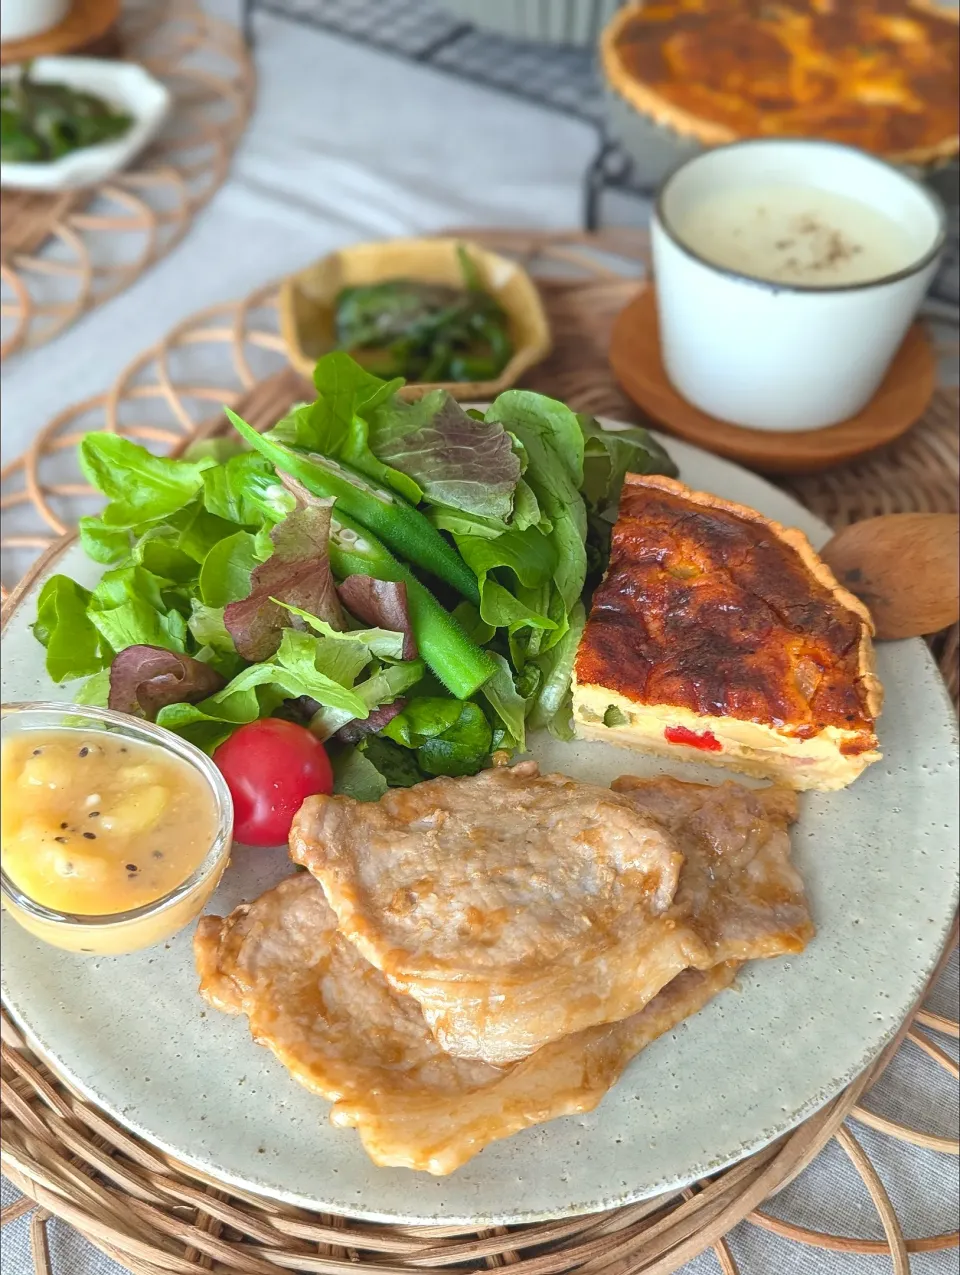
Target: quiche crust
720	636
875	91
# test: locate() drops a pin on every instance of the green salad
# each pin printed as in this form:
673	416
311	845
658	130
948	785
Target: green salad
405	579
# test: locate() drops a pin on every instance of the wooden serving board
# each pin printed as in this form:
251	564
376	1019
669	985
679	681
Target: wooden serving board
898	404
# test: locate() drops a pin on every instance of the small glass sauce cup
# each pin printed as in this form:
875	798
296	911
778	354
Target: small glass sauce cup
115	933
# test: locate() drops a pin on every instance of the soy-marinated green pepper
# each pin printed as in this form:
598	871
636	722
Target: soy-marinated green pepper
425	332
402	527
457	661
41	122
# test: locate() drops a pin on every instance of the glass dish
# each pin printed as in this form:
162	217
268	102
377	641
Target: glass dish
114	933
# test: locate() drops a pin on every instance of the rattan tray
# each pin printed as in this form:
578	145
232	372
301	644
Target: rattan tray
64	254
158	1218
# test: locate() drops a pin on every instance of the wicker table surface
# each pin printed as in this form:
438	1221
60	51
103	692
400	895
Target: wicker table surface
156	1218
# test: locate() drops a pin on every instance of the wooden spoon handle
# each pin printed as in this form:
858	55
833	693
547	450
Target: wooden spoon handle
905	567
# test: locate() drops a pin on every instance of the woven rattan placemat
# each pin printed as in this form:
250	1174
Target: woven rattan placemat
64	254
158	1218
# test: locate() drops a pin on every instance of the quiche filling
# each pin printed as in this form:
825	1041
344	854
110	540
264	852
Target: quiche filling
703	739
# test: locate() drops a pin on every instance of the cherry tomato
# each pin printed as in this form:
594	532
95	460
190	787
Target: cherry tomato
270	767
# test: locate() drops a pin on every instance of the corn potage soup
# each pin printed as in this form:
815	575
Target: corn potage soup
96	824
796	234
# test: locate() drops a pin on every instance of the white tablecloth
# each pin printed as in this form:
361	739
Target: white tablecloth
347	144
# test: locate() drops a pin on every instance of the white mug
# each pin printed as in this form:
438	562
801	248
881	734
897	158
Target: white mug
21	19
787	356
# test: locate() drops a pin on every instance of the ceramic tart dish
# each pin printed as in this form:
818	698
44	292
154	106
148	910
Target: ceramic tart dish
879	74
308	301
576	23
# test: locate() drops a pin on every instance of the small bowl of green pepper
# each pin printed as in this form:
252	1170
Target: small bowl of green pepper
68	122
437	312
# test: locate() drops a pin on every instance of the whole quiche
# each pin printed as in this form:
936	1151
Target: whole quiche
878	74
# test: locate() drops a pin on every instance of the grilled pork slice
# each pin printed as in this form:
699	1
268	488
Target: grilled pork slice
343	1032
719	636
517	908
738	887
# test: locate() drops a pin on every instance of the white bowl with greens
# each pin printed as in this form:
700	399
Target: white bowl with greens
71	122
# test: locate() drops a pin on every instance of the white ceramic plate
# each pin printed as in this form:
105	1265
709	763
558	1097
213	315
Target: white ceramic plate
126	86
880	865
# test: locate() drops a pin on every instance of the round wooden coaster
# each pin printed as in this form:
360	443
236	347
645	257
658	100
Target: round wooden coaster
898	404
86	22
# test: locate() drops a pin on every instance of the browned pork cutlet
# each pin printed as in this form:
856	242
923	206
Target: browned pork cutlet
738	887
515	907
342	1031
518	908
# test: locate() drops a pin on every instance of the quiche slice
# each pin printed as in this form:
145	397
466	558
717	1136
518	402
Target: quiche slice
719	636
878	74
